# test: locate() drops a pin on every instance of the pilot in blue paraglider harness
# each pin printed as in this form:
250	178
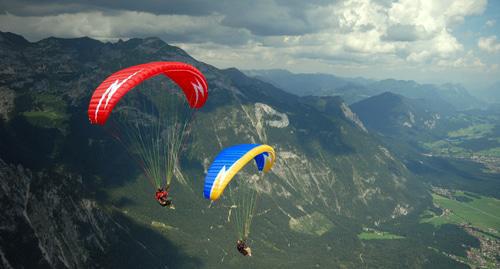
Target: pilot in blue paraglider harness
222	171
242	247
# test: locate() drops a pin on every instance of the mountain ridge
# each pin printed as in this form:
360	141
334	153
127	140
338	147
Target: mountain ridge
328	167
356	89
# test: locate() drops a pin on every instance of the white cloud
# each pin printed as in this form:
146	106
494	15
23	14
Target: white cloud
490	23
419	57
433	16
406	26
445	44
489	44
469	60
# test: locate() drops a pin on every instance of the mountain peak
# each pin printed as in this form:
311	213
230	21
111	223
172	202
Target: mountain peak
392	84
13	40
274	72
387	97
152	45
235	73
153	42
76	42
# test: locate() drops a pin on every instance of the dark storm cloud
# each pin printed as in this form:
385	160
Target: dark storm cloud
126	24
268	17
54	7
179	7
41	8
264	19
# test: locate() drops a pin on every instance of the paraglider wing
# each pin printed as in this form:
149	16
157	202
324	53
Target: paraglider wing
230	161
111	90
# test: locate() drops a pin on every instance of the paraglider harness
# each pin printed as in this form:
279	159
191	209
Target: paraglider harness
242	247
161	196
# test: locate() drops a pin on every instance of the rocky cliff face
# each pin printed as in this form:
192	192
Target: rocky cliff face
46	223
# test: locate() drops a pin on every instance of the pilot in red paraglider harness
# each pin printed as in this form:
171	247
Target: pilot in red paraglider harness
161	196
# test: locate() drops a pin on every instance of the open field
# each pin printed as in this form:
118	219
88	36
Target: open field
312	224
377	235
478	215
467	136
466	208
473	131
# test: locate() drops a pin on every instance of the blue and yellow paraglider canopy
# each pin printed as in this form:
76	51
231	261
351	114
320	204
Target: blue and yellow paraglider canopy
230	161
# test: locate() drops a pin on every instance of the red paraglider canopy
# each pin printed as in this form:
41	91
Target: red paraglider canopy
111	90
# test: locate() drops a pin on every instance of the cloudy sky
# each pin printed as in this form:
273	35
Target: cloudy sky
426	40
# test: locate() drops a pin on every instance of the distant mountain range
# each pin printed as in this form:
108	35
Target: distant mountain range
356	89
429	136
489	94
394	115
